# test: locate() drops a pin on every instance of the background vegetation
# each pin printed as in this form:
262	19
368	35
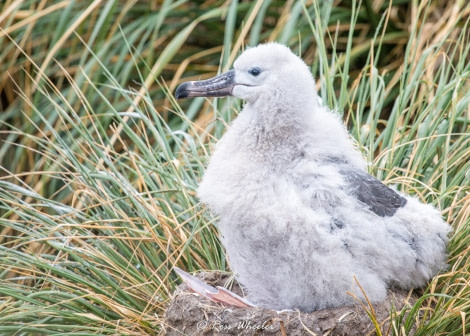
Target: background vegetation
99	164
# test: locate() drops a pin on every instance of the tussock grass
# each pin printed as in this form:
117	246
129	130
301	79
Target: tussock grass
99	164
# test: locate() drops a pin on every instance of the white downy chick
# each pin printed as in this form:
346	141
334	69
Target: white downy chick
299	215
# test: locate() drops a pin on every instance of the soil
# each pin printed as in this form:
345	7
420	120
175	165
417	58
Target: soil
191	314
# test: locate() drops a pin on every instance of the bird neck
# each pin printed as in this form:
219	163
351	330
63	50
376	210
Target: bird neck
275	133
269	133
274	118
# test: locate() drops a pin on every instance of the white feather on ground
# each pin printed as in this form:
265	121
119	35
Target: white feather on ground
299	216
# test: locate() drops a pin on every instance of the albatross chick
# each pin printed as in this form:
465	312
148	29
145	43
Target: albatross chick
299	215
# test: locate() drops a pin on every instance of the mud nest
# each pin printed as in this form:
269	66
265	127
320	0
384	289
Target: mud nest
191	314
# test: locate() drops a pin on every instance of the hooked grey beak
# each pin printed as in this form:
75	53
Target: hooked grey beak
217	86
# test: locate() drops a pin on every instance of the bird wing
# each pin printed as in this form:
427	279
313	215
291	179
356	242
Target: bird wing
380	199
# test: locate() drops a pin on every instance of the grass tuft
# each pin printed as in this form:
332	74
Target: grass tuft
99	164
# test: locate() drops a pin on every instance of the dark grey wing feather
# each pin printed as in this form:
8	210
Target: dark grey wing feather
381	199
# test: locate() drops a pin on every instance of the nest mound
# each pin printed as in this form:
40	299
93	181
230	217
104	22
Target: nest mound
191	314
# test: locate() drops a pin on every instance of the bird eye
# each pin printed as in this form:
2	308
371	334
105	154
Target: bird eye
255	71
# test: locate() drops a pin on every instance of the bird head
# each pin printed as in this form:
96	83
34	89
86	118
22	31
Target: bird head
266	74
